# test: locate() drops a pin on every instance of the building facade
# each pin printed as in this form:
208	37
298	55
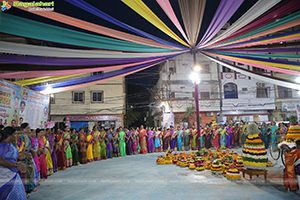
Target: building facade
175	91
103	103
246	98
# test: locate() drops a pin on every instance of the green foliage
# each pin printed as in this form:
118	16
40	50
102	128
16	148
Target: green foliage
131	116
190	112
213	119
293	119
252	129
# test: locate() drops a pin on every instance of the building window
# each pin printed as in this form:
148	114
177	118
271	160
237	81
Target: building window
78	97
230	91
96	73
244	89
205	68
226	69
204	95
97	97
209	114
256	69
284	92
262	92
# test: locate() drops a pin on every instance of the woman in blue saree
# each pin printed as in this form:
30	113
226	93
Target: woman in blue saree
274	129
179	139
11	186
265	131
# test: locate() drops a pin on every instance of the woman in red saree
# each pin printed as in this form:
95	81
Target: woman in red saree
60	151
235	135
82	147
165	138
143	140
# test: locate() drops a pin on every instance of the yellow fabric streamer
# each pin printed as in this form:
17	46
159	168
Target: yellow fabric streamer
142	9
33	81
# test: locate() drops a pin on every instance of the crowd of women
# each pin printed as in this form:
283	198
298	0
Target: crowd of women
28	156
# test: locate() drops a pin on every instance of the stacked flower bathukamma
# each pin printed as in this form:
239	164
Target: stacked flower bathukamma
293	133
233	173
254	153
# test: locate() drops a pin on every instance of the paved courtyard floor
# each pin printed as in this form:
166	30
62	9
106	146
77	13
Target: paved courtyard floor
139	177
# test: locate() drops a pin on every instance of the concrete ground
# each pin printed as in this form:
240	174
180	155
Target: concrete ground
139	177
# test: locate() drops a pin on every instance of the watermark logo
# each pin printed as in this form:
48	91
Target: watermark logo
5	6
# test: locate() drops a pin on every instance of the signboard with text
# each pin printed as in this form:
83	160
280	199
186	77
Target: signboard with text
19	105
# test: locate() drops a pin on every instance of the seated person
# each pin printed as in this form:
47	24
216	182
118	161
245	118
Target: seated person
292	168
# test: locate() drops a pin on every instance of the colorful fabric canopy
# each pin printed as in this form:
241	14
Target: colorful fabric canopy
264	36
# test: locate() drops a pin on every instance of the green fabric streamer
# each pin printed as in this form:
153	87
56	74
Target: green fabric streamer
256	55
278	22
18	26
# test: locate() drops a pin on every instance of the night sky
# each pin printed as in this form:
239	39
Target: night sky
138	83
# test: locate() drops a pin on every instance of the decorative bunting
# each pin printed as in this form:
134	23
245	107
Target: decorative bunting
91	9
166	6
142	9
192	14
225	10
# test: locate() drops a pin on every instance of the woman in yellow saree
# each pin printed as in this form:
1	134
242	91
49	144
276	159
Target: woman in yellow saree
89	146
96	136
102	144
48	154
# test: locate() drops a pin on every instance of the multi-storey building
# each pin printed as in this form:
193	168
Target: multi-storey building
175	91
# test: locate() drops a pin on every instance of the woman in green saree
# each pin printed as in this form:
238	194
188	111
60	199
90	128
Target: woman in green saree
102	144
74	148
243	133
122	144
186	139
66	139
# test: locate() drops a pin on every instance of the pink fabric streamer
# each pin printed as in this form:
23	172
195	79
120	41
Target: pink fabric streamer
166	6
35	74
267	67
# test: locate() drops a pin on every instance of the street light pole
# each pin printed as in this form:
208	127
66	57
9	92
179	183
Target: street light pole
197	97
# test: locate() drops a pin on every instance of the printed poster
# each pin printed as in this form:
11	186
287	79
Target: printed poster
168	120
19	105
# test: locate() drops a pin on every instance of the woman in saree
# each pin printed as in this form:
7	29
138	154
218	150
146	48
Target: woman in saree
228	138
67	147
186	139
97	148
89	146
82	155
179	139
31	176
202	139
274	130
35	146
265	131
208	134
157	143
102	144
122	144
135	138
173	138
217	133
223	135
42	154
109	147
51	140
116	139
11	187
60	150
149	136
128	140
143	140
243	133
166	136
194	138
74	148
235	135
47	153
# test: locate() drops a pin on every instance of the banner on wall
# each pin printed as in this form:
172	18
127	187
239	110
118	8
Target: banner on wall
290	105
298	114
19	105
168	120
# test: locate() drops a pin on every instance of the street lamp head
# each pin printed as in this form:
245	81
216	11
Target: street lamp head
197	68
195	77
